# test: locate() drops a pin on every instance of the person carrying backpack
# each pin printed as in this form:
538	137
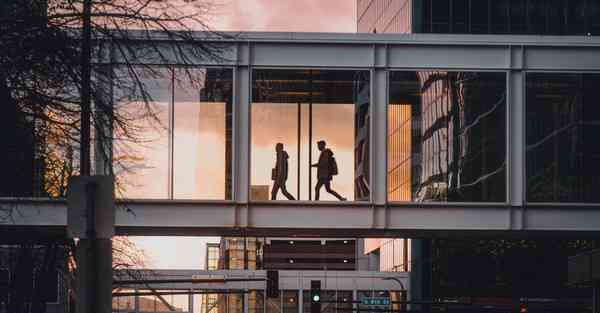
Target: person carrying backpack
326	169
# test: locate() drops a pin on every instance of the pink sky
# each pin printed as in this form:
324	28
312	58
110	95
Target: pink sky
284	15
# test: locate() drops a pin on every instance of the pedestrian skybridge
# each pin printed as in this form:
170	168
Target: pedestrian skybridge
429	133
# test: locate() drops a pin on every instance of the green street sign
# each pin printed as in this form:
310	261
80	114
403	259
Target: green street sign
376	301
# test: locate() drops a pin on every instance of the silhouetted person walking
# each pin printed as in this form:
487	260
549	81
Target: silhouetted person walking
326	169
279	173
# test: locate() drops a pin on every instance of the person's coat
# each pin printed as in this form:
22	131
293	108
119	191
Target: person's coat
281	167
324	165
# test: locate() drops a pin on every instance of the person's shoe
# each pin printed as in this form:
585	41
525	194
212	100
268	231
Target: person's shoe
343	199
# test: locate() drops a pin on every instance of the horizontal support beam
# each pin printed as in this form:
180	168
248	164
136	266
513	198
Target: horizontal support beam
385	51
318	219
288	279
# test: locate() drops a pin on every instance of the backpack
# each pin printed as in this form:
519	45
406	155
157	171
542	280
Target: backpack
333	167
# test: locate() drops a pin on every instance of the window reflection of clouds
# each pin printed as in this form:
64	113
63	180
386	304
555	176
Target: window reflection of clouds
200	165
141	151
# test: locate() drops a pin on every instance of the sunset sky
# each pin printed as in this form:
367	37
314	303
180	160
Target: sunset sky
253	15
285	15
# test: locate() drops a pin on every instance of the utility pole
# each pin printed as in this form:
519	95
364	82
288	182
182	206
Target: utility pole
86	81
94	255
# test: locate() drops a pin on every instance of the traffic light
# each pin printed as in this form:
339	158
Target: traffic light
315	296
272	284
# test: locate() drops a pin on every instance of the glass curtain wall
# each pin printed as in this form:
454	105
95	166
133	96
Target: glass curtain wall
447	136
545	17
563	122
292	111
141	144
174	141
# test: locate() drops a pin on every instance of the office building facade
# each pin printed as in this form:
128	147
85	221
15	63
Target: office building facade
444	134
545	17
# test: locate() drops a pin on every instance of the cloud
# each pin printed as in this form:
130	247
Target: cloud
285	15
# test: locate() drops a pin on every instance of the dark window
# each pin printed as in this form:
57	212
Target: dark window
426	16
4	284
499	15
563	122
550	18
460	16
46	283
440	18
576	17
536	17
518	23
594	12
480	16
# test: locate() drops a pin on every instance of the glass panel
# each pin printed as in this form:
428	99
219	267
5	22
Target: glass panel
141	146
446	136
499	15
460	16
202	134
536	12
480	16
563	120
518	24
440	16
556	22
576	17
294	110
594	17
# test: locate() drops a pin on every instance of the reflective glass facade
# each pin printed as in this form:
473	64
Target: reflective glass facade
544	17
384	16
562	125
175	141
447	136
295	110
547	17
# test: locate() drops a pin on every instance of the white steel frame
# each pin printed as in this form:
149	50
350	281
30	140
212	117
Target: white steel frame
379	53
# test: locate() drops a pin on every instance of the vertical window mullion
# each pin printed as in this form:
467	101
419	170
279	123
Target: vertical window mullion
171	132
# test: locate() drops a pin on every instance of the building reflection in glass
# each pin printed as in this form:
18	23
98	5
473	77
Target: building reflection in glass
544	17
177	141
446	136
562	125
300	107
